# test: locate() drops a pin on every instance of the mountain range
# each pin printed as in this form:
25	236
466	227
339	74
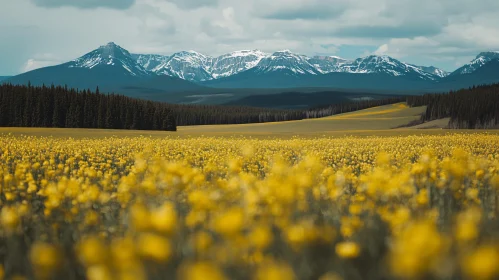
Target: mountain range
113	68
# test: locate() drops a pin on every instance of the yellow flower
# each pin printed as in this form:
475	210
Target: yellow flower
45	259
92	218
92	251
200	199
195	218
99	272
408	266
479	174
355	209
201	242
9	218
123	252
260	237
230	222
422	197
482	264
274	271
347	250
466	230
139	215
164	218
154	247
472	193
200	271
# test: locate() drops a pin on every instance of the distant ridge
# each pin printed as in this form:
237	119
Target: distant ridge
115	69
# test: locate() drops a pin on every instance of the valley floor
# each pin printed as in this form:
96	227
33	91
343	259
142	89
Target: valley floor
378	121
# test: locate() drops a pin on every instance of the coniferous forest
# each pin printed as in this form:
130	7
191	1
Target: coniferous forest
473	108
28	106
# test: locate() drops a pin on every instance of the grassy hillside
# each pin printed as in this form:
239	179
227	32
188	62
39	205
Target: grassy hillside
378	118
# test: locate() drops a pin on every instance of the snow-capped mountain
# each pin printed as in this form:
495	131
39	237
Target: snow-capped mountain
481	59
110	56
187	65
235	62
113	68
286	61
328	64
109	67
387	65
197	67
434	71
150	61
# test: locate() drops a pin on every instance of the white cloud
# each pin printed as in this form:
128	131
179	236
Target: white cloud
33	64
426	29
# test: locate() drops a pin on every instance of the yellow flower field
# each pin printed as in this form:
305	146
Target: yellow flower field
415	207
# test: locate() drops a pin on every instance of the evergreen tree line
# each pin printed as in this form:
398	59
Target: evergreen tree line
473	108
28	106
325	111
187	114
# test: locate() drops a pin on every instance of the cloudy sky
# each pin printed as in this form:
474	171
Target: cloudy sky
444	33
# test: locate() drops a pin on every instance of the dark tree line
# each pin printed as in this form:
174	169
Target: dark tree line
211	114
56	106
28	106
335	109
473	108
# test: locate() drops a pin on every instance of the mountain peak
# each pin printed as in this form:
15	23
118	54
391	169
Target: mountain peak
330	57
480	60
112	50
287	61
195	52
382	57
489	54
286	51
246	52
111	44
384	64
110	55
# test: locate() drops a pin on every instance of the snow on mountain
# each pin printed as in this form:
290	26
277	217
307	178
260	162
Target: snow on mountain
434	70
187	65
110	55
197	67
286	61
150	61
235	62
481	59
387	65
327	64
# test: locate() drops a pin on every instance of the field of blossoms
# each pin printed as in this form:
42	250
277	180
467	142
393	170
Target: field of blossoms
413	207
